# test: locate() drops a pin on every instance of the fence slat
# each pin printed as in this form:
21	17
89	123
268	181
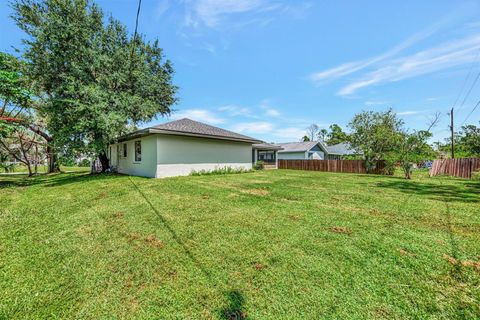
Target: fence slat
346	166
462	168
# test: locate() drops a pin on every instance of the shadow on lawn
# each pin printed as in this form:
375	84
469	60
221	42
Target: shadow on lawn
174	234
234	310
468	192
52	180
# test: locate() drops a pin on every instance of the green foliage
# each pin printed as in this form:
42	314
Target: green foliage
413	148
219	171
4	164
376	134
259	165
467	142
13	85
305	139
336	135
470	140
96	82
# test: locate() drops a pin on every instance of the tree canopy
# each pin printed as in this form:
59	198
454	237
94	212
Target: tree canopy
94	81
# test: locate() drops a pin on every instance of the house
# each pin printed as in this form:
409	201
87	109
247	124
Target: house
267	153
340	151
313	150
302	150
179	147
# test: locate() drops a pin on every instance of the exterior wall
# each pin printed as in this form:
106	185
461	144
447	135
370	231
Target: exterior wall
180	155
291	156
316	155
146	167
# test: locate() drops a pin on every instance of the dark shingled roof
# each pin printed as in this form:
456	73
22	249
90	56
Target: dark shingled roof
187	127
266	146
341	149
298	146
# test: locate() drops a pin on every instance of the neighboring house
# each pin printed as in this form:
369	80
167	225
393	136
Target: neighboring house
340	150
266	152
179	147
301	150
313	150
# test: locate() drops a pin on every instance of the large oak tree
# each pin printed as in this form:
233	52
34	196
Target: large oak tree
94	81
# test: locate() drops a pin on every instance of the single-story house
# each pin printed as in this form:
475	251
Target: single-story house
180	147
302	150
266	152
340	150
313	150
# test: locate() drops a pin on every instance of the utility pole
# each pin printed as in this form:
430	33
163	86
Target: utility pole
452	134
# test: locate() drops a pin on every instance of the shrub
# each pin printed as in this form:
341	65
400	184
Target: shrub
259	165
218	171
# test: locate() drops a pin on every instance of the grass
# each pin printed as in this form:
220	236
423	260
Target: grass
261	245
43	169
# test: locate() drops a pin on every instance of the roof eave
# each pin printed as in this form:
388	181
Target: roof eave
189	134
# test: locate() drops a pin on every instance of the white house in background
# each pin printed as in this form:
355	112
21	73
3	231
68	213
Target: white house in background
301	150
313	150
179	147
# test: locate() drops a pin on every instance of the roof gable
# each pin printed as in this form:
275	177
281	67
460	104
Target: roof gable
299	146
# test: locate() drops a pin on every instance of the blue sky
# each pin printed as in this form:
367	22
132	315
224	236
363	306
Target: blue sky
269	68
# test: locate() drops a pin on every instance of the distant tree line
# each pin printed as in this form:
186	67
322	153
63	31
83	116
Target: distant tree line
380	136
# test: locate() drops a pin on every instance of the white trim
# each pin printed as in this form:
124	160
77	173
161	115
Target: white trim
173	170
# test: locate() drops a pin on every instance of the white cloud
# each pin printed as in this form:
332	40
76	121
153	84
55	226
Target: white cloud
199	115
442	57
290	133
162	7
210	12
234	110
253	127
354	66
272	112
409	113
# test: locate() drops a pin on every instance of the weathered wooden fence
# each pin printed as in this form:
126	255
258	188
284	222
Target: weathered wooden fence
462	168
347	166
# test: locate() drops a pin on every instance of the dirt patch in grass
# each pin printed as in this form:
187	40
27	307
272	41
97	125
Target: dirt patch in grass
343	230
154	242
133	236
465	263
118	215
294	217
405	252
259	266
101	195
257	192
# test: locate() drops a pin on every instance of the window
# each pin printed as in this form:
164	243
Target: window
138	150
266	156
124	150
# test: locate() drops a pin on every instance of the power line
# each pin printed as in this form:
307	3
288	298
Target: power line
470	90
471	112
136	20
466	78
136	28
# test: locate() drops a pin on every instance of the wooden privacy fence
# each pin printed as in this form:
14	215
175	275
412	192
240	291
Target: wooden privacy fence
462	168
347	166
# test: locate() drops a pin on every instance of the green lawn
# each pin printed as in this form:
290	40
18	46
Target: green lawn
43	169
265	245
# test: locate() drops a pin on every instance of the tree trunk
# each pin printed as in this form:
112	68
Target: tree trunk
52	160
104	161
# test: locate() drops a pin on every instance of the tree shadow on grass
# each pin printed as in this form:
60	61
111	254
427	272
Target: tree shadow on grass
234	310
53	180
468	192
